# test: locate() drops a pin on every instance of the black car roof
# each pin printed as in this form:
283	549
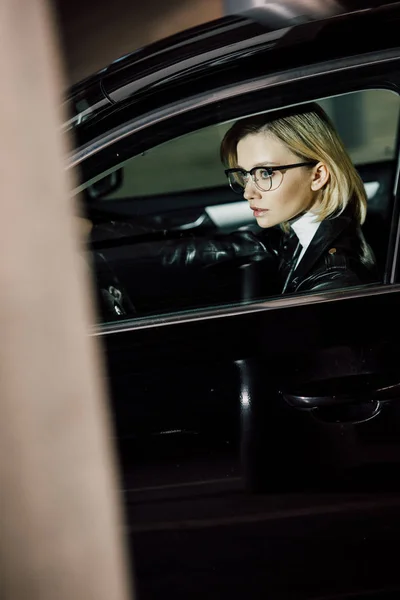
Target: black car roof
200	57
97	91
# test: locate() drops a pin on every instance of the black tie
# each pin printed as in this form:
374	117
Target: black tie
289	244
290	255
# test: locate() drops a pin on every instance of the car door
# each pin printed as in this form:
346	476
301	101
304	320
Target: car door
306	385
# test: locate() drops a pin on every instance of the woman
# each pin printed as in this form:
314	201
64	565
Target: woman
295	173
307	198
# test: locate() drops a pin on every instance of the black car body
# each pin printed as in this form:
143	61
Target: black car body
305	387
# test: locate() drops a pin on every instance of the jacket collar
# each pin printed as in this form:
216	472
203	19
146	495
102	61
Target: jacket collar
324	237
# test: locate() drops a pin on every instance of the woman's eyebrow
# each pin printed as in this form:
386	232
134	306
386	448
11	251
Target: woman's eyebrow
266	163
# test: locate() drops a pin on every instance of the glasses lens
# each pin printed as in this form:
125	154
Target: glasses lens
267	179
237	181
263	179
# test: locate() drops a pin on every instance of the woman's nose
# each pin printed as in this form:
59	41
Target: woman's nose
250	190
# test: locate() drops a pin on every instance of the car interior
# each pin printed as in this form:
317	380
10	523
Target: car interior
178	189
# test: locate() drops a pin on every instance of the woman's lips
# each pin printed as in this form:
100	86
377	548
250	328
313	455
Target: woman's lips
258	212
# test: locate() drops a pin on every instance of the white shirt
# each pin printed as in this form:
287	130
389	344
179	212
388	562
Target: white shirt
305	227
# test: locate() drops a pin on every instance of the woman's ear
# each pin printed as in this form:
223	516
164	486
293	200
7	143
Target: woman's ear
320	176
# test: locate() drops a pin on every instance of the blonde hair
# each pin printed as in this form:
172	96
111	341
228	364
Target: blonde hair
308	132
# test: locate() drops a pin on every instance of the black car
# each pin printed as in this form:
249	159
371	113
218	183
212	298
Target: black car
305	388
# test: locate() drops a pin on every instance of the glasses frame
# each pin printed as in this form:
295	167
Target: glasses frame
269	169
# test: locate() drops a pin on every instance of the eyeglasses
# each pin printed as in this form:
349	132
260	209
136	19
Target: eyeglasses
265	179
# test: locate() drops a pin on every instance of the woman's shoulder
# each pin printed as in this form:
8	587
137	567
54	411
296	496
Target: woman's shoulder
345	261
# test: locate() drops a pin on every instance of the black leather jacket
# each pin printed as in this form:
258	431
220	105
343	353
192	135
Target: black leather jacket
338	255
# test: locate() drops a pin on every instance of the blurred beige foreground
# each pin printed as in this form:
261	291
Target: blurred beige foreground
60	517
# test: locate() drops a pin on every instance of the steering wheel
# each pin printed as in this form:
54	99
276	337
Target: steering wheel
114	302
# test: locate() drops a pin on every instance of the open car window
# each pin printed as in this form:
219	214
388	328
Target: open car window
178	190
366	122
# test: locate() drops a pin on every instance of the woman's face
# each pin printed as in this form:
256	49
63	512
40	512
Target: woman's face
295	193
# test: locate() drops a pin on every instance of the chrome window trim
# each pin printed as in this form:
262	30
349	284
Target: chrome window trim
206	314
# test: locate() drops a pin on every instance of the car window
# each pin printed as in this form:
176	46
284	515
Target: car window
366	121
156	209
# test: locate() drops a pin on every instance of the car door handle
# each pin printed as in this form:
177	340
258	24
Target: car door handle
339	391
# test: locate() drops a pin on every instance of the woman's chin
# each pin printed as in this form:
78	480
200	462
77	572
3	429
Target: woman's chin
266	220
